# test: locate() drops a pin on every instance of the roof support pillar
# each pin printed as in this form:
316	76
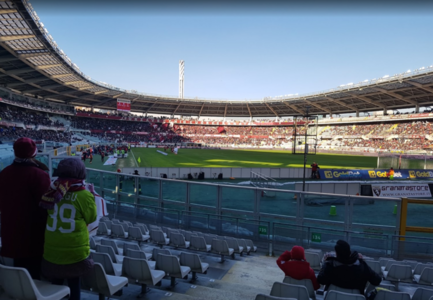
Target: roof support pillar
417	108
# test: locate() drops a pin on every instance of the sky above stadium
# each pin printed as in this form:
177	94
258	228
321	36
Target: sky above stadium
240	50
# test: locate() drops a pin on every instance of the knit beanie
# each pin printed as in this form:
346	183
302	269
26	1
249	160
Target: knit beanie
71	168
342	248
25	148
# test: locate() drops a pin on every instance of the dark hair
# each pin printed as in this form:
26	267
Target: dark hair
342	249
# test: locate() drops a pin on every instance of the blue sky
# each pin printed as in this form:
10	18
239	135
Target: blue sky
238	54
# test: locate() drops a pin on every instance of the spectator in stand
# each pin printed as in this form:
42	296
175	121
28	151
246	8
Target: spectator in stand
348	270
71	208
294	264
22	220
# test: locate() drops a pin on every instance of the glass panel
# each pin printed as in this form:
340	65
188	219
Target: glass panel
278	203
203	194
329	208
127	198
126	184
419	215
237	198
147	202
374	212
174	190
149	187
93	177
126	212
109	181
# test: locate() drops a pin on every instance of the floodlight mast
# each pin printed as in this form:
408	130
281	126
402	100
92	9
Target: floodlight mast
181	77
307	109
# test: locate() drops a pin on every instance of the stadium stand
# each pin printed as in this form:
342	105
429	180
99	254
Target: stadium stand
377	135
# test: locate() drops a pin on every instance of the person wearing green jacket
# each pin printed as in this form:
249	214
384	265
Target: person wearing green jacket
71	208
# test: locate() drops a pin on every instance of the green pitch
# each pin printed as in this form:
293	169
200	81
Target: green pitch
149	157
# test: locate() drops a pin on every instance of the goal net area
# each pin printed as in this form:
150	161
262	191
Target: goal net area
304	136
404	161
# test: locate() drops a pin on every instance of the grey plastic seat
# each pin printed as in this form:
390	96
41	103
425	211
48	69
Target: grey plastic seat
420	267
267	297
389	295
374	265
178	240
143	227
422	294
193	261
140	254
105	285
136	234
139	271
125	226
188	235
109	250
233	243
199	243
110	268
128	223
243	244
171	266
286	290
107	223
172	231
132	246
398	273
343	290
221	247
426	277
115	221
411	263
113	244
389	263
153	227
314	259
118	231
251	244
158	238
336	295
304	282
208	238
18	284
104	219
103	230
384	260
157	251
92	243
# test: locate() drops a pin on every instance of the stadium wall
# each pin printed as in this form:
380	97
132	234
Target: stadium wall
211	173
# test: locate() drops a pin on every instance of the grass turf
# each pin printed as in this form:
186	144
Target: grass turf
149	157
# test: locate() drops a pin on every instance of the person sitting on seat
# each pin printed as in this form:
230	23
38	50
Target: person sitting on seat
348	270
294	264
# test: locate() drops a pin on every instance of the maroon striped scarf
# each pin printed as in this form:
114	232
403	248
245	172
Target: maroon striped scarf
58	190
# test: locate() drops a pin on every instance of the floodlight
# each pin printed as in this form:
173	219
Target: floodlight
365	80
386	76
408	71
351	83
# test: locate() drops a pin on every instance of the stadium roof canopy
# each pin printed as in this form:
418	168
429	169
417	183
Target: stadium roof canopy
32	63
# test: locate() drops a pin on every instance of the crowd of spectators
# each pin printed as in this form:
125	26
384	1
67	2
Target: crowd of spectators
27	118
387	135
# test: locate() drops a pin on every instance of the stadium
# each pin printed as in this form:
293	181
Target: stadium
225	186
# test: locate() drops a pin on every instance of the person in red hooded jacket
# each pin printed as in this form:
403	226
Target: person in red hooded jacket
294	264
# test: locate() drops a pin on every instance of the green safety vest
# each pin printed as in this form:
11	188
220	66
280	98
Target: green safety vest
66	234
123	151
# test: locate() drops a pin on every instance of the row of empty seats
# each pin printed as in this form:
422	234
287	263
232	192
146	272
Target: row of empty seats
162	236
297	290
